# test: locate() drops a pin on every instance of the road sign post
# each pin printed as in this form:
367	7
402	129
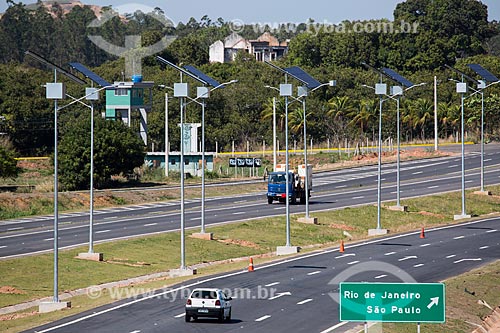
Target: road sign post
393	302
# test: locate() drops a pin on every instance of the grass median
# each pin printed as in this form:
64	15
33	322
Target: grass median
31	278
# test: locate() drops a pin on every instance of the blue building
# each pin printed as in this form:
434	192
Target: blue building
131	102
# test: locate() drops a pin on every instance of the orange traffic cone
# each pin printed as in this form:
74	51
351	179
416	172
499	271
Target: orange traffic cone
250	265
341	249
422	233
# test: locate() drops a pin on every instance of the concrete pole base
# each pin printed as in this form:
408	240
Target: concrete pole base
482	192
46	307
203	235
461	217
181	272
403	209
91	256
287	250
308	220
377	232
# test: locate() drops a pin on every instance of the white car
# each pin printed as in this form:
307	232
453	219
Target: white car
208	302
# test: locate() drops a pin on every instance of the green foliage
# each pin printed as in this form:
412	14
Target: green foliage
117	149
8	163
243	112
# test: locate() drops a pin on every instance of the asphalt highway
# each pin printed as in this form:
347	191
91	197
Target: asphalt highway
331	190
297	295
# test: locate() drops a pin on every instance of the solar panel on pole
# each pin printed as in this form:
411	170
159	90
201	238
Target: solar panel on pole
89	74
462	74
210	81
55	67
482	72
183	71
396	77
303	76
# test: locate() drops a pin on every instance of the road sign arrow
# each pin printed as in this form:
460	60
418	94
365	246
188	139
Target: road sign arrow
278	295
434	301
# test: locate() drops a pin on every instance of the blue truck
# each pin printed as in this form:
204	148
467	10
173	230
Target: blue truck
276	184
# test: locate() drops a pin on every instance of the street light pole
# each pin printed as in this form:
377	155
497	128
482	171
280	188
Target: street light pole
203	166
482	142
204	93
56	203
463	153
287	169
274	135
305	159
436	129
462	89
91	224
398	201
379	182
166	136
183	246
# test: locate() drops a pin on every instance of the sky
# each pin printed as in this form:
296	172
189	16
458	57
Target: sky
266	11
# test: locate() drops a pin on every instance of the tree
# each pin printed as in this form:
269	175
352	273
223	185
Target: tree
118	150
340	108
442	35
8	163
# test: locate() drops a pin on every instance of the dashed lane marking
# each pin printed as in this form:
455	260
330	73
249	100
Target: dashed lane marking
305	301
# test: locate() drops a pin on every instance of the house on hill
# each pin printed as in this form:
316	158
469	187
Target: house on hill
265	48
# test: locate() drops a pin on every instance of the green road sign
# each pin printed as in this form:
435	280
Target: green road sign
393	302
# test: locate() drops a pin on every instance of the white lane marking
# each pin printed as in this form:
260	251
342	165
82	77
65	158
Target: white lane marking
418	173
195	218
180	315
346	255
380	276
313	273
356	198
451	256
102	231
484	247
48	239
459	237
390	253
488	160
425	245
151	225
137	331
239	213
353	262
13	229
263	318
3	247
491	231
469	181
279	208
334	327
453	166
433	187
464	260
305	301
408	258
418	265
272	284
